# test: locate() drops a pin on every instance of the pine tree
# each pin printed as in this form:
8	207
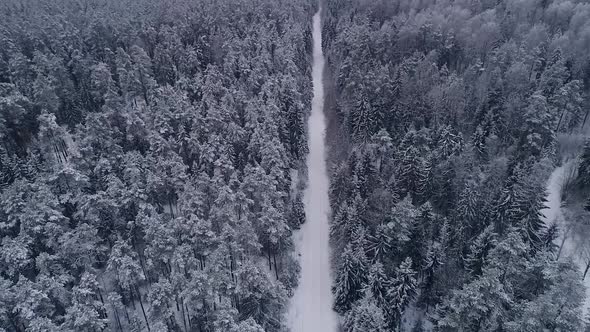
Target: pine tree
349	280
479	143
584	165
483	303
415	249
558	307
365	315
402	291
549	236
538	130
520	204
478	306
412	173
347	218
430	271
476	258
248	325
528	202
449	143
143	73
402	217
54	139
554	76
87	312
296	213
377	285
381	243
124	264
383	144
469	207
568	103
362	120
491	117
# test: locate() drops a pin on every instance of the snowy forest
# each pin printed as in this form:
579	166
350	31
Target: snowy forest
447	119
153	163
146	160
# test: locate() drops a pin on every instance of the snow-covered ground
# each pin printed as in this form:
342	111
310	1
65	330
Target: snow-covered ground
411	315
311	307
568	241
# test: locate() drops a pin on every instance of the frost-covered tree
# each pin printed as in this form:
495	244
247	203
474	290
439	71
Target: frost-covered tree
350	279
365	315
464	113
402	291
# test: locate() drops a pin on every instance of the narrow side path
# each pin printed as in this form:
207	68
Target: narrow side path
568	241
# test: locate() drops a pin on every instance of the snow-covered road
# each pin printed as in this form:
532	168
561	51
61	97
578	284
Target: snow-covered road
311	307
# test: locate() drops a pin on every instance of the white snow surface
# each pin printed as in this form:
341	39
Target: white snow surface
311	306
553	211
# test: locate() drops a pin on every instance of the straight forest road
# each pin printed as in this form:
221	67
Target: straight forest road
311	307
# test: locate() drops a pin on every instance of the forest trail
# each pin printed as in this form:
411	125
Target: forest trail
568	240
311	307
